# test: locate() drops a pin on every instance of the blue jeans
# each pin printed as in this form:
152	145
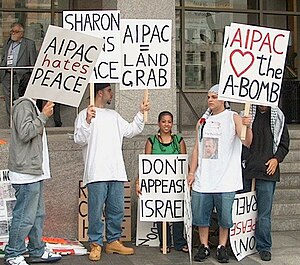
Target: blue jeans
107	196
28	220
204	203
178	235
264	192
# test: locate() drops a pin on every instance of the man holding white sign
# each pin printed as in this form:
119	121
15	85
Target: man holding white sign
100	131
216	180
269	147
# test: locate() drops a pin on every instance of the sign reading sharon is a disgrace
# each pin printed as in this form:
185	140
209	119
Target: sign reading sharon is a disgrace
162	184
146	53
253	62
64	66
104	24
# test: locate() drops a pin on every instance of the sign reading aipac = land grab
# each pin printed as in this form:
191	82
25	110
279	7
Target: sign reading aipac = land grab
253	64
162	183
146	53
244	215
104	24
64	66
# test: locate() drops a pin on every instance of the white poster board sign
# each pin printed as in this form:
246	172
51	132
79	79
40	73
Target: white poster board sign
146	53
244	216
64	66
104	24
188	218
7	203
162	183
253	64
146	232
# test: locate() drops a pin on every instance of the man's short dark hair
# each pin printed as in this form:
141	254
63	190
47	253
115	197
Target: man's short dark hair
99	86
23	83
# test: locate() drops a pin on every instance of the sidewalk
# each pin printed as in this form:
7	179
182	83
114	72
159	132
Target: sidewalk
286	251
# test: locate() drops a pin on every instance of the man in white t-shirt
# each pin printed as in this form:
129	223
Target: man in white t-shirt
214	181
100	131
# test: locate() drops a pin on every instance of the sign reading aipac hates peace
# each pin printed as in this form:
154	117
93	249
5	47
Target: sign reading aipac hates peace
253	64
64	66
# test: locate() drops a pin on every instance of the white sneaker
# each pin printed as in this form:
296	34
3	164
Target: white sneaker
19	260
47	257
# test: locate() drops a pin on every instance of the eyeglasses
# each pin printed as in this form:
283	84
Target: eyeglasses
15	31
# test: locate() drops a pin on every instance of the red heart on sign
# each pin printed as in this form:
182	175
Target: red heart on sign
245	63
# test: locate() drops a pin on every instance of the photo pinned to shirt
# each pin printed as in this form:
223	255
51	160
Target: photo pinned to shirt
210	148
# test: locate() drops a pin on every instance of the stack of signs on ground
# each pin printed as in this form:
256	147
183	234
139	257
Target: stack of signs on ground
64	246
253	64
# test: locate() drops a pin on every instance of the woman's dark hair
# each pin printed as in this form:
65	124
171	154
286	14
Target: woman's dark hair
164	113
23	83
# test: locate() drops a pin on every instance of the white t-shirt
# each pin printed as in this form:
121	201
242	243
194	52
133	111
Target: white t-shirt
219	159
102	143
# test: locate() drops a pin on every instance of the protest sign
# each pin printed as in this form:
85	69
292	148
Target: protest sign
63	67
83	223
244	216
188	224
146	53
146	232
162	184
104	24
253	64
7	203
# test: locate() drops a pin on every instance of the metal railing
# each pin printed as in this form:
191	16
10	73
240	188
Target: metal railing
11	70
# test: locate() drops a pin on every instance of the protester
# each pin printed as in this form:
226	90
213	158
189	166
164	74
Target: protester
269	147
17	51
29	166
164	143
100	131
214	181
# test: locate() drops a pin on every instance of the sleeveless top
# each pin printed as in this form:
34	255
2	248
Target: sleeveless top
165	149
219	156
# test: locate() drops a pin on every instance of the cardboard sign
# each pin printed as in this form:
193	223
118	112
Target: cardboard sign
146	53
253	64
244	216
162	183
64	66
104	24
83	223
188	219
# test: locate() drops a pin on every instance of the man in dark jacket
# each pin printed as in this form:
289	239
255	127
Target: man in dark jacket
269	147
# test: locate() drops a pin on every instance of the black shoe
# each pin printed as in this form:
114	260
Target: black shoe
202	254
222	255
265	255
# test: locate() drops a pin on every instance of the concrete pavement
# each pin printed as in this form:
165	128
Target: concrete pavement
286	251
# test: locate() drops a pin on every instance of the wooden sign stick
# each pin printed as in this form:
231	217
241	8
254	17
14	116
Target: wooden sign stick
146	95
246	113
92	98
164	234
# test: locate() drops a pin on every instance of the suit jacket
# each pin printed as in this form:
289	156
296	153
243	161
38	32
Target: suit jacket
26	57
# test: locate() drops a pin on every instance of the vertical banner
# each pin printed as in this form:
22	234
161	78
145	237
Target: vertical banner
253	64
83	214
146	53
188	219
64	66
244	215
7	203
104	24
162	184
